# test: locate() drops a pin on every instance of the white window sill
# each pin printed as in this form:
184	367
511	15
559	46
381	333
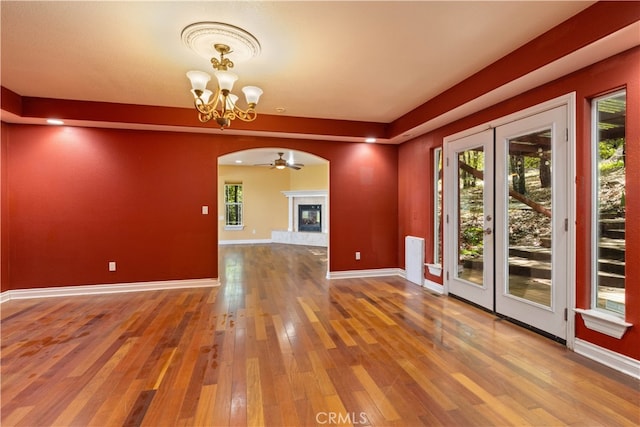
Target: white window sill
604	323
434	269
233	227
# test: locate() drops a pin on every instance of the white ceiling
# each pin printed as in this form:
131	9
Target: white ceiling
371	61
364	61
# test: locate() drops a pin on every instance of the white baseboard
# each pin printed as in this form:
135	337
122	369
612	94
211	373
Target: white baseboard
426	283
433	286
113	288
614	360
354	274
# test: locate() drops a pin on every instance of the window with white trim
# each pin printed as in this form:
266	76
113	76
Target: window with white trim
437	206
608	213
233	205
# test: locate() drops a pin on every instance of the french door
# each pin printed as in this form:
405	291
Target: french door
506	219
469	243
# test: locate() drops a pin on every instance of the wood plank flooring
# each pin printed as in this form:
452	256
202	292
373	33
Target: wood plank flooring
279	345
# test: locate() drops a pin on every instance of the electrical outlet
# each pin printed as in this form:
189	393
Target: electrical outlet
112	266
205	210
357	256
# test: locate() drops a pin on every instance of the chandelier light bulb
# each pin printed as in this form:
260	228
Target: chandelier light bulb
219	104
252	94
231	101
226	80
199	80
206	95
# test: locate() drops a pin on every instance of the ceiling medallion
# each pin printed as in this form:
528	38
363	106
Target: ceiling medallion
202	36
210	39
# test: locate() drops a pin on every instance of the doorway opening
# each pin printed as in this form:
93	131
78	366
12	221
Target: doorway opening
275	182
508	192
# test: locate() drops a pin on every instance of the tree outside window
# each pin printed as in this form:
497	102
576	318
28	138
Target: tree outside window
608	222
233	206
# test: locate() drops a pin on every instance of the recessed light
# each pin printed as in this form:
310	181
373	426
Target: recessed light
280	109
238	161
57	122
370	140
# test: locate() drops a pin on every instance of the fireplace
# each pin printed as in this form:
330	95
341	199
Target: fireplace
309	218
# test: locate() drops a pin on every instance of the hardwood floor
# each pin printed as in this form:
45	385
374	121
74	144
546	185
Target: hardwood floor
279	345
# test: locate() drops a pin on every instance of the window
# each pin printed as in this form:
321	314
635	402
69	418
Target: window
437	206
233	207
608	219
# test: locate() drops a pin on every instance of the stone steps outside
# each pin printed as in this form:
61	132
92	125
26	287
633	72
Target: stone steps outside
535	262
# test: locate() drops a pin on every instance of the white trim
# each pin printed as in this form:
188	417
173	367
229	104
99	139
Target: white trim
244	242
434	269
433	286
426	283
354	274
603	322
383	272
306	193
481	295
595	196
569	101
617	361
113	288
233	227
560	101
437	176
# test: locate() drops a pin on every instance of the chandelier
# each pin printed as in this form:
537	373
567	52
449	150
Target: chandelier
221	105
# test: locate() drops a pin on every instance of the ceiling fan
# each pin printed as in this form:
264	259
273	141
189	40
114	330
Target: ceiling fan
281	163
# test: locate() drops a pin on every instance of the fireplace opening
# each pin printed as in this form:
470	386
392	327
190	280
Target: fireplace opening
309	218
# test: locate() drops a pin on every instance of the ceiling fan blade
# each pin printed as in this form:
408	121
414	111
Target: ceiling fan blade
264	164
294	166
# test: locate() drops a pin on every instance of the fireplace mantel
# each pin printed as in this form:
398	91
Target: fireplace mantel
306	194
293	235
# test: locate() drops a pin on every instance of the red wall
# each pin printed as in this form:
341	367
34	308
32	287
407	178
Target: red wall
77	198
4	223
623	70
363	205
80	197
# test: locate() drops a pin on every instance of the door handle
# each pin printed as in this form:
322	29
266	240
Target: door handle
487	231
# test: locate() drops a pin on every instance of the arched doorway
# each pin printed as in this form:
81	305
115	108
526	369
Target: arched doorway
273	195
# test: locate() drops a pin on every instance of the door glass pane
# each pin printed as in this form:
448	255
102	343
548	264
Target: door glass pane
437	203
609	224
471	215
529	217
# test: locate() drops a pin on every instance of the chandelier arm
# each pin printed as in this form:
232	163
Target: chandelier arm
208	108
204	118
201	106
236	112
247	115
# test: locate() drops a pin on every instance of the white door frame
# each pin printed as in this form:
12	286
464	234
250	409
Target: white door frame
480	294
550	318
568	100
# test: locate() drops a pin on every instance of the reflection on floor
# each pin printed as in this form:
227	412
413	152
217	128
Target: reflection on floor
279	344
